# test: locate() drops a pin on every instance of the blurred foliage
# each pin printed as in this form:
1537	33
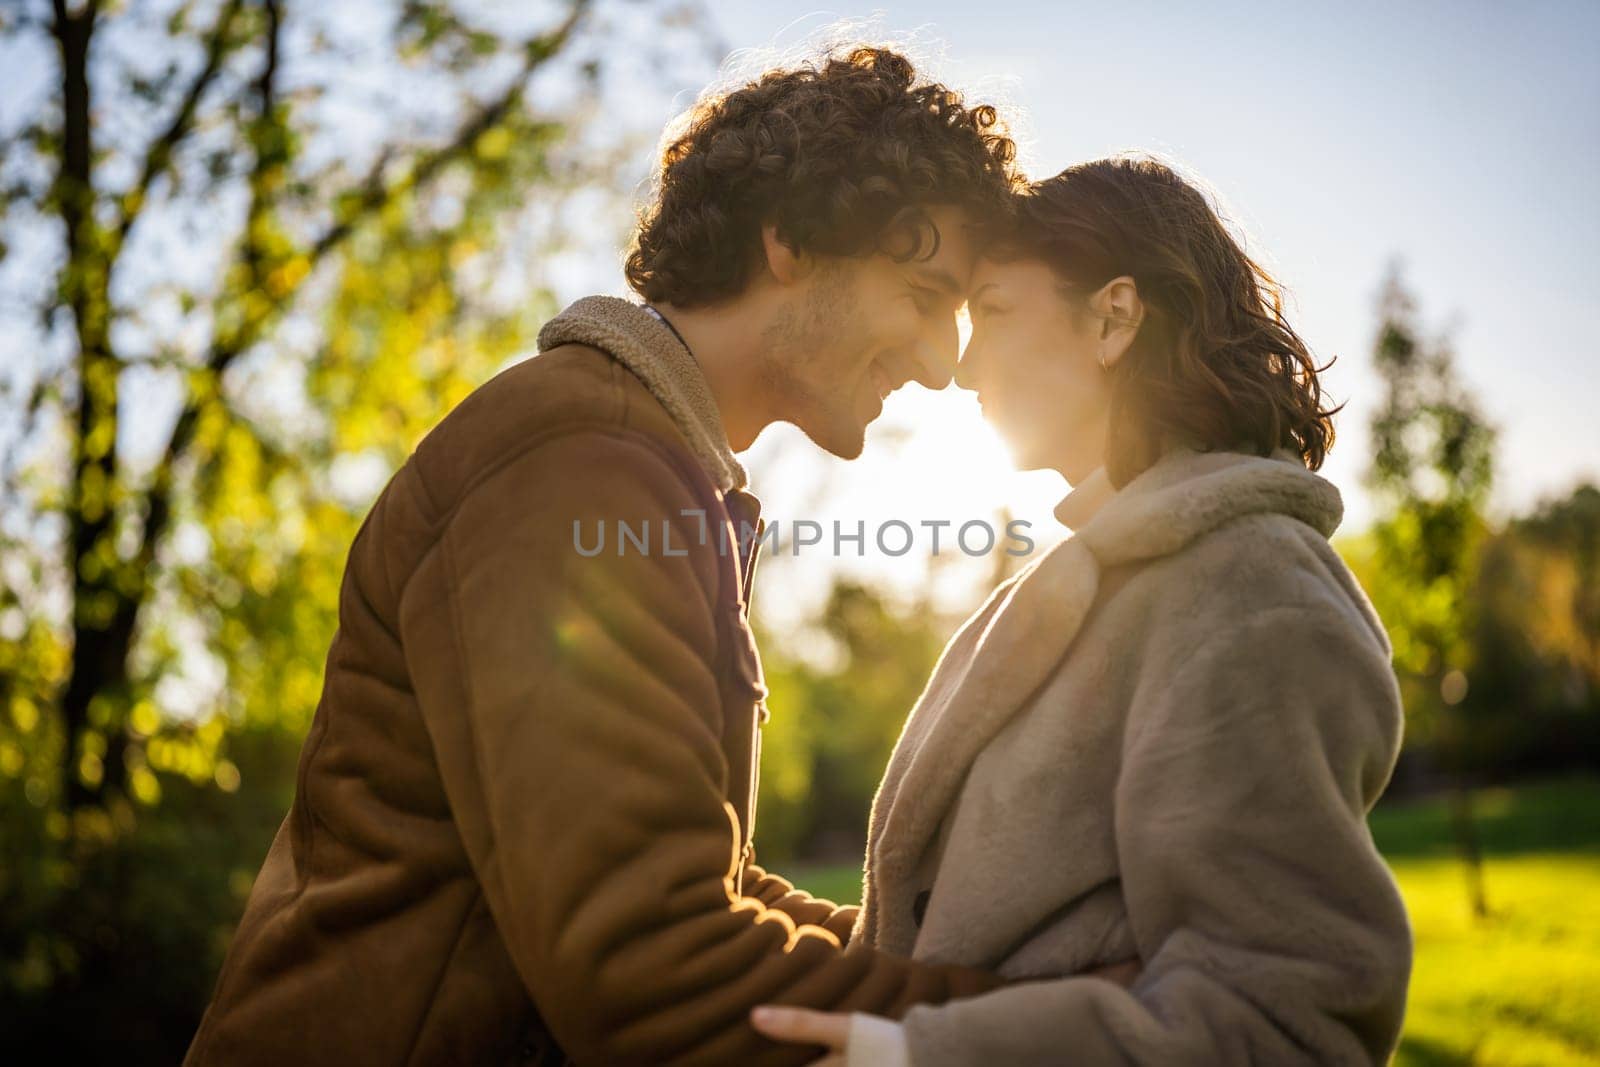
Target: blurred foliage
832	727
1534	699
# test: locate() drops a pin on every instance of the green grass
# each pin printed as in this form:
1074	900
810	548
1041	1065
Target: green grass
1518	989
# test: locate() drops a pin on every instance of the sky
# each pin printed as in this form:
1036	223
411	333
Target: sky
1461	140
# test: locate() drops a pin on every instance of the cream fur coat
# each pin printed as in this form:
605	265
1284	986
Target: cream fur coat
1161	739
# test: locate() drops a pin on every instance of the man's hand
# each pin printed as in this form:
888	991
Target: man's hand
831	1030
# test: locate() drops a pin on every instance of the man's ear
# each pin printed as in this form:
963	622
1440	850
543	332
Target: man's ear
1121	313
786	265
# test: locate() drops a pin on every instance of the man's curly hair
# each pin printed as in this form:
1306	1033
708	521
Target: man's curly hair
838	155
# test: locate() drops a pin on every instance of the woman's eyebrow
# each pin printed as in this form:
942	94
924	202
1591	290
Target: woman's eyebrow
972	297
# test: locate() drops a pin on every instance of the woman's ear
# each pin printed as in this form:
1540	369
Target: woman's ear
786	265
1121	313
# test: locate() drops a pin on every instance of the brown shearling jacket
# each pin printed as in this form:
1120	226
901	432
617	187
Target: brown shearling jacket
522	823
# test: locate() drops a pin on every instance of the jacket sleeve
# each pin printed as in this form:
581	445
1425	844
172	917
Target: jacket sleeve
574	709
1270	928
778	892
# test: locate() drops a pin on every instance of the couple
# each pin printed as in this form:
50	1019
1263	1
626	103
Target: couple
1125	822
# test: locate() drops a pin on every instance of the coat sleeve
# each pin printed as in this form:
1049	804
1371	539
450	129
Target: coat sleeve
778	892
574	708
1270	928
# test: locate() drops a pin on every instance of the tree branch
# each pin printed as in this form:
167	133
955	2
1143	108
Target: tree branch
267	136
46	385
158	157
269	150
377	194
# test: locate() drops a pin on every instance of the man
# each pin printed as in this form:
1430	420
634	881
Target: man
523	820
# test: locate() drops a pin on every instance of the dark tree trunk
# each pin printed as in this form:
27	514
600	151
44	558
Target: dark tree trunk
102	615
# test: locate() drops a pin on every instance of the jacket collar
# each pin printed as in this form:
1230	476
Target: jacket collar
1188	493
653	353
1086	498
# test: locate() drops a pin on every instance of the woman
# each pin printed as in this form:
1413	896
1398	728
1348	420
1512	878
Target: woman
1137	783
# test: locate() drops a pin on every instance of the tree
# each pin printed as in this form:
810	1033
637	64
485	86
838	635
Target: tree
1431	474
228	130
250	251
1535	701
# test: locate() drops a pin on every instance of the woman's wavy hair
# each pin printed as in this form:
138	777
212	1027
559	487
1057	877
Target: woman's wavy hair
1216	364
838	154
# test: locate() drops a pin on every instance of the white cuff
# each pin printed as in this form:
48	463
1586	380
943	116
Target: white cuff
876	1042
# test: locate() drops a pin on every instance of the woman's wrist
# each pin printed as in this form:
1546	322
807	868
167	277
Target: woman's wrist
876	1042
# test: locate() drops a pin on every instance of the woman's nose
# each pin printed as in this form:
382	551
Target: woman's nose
967	369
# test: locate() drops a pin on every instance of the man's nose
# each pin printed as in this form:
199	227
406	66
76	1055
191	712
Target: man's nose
936	355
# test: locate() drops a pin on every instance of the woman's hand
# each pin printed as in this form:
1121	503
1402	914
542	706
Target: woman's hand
802	1026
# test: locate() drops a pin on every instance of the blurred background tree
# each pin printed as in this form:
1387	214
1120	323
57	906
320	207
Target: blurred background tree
270	270
1535	699
1431	471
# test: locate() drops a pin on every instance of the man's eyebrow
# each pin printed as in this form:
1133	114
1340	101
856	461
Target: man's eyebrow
941	278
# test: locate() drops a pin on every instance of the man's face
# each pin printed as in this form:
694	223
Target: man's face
864	327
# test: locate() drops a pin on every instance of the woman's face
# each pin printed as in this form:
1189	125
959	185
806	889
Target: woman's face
1033	360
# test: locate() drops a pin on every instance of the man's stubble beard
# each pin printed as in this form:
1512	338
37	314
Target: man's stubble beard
806	368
